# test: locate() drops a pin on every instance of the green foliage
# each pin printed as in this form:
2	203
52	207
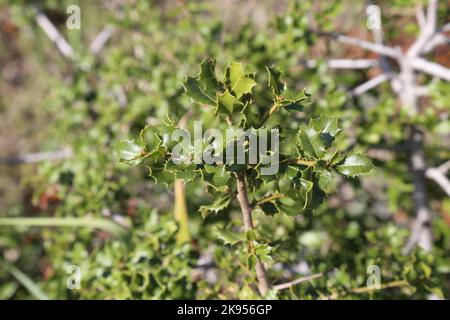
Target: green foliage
312	216
299	174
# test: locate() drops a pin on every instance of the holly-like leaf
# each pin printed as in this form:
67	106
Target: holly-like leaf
262	251
220	203
229	237
216	176
326	125
204	88
312	142
326	180
161	176
274	80
292	96
318	136
227	103
354	165
193	89
239	82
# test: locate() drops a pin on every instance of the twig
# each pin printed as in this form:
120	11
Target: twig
372	83
370	46
437	40
53	34
246	209
431	68
437	175
445	167
37	157
421	19
289	284
427	30
270	198
392	284
101	39
352	63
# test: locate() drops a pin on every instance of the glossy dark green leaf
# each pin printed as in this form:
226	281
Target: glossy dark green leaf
354	165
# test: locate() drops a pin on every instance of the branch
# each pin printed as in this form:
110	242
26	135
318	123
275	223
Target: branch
53	34
372	83
374	47
427	30
352	63
432	15
270	198
392	284
421	232
289	284
246	209
438	39
438	175
101	39
445	167
431	68
37	157
421	19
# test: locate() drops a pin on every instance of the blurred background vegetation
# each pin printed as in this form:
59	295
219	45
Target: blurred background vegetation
73	111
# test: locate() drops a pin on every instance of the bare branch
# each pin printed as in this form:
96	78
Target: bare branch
437	40
53	34
366	289
421	232
431	68
101	39
372	83
445	167
374	47
37	157
246	209
421	19
437	175
432	15
289	284
426	31
352	63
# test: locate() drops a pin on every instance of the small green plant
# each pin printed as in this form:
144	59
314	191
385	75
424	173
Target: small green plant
305	161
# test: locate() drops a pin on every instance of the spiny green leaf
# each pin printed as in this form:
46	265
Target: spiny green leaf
229	237
326	180
217	177
227	103
239	82
161	175
325	124
274	80
218	205
193	90
354	165
204	88
312	143
208	77
262	251
290	95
